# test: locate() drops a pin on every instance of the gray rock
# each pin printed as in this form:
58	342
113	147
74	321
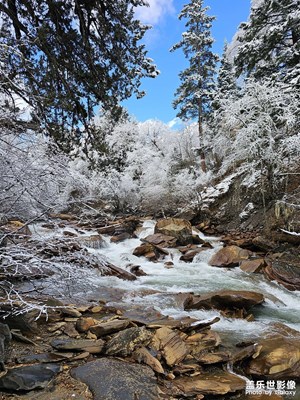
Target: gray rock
29	377
92	346
111	379
5	338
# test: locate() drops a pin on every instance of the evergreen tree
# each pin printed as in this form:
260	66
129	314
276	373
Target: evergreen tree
270	41
194	95
65	57
226	81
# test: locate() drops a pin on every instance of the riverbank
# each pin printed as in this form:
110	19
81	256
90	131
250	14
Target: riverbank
197	351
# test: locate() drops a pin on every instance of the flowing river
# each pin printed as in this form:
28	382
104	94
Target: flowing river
157	289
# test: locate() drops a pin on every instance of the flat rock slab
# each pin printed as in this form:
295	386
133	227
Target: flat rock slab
279	358
29	377
92	346
111	379
224	299
216	383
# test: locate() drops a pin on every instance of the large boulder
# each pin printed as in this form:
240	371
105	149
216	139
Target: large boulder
177	228
229	256
119	380
279	358
285	271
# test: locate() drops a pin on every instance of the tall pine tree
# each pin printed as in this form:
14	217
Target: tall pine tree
194	95
65	57
270	42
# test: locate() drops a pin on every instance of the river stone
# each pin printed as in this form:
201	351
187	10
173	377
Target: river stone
253	266
215	383
171	344
125	342
287	273
279	358
161	240
176	227
106	328
111	379
229	256
189	255
83	324
142	355
29	377
92	346
224	300
202	341
94	241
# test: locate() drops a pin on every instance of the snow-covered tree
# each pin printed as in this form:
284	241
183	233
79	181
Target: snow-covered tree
226	81
64	58
194	95
257	129
270	41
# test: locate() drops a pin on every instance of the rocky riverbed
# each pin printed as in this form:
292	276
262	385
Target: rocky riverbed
65	334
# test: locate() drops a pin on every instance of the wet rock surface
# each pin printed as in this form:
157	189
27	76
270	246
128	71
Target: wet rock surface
224	299
229	256
137	353
28	378
178	228
118	380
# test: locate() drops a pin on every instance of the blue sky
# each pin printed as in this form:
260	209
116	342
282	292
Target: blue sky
166	31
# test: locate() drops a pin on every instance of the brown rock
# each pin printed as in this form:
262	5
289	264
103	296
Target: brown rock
105	328
200	342
285	272
171	344
161	240
143	249
83	324
70	330
279	358
229	256
137	270
142	355
92	346
176	227
213	358
223	300
263	244
253	266
190	254
120	238
124	343
216	383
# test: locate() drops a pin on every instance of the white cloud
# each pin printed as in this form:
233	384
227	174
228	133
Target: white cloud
175	122
155	12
